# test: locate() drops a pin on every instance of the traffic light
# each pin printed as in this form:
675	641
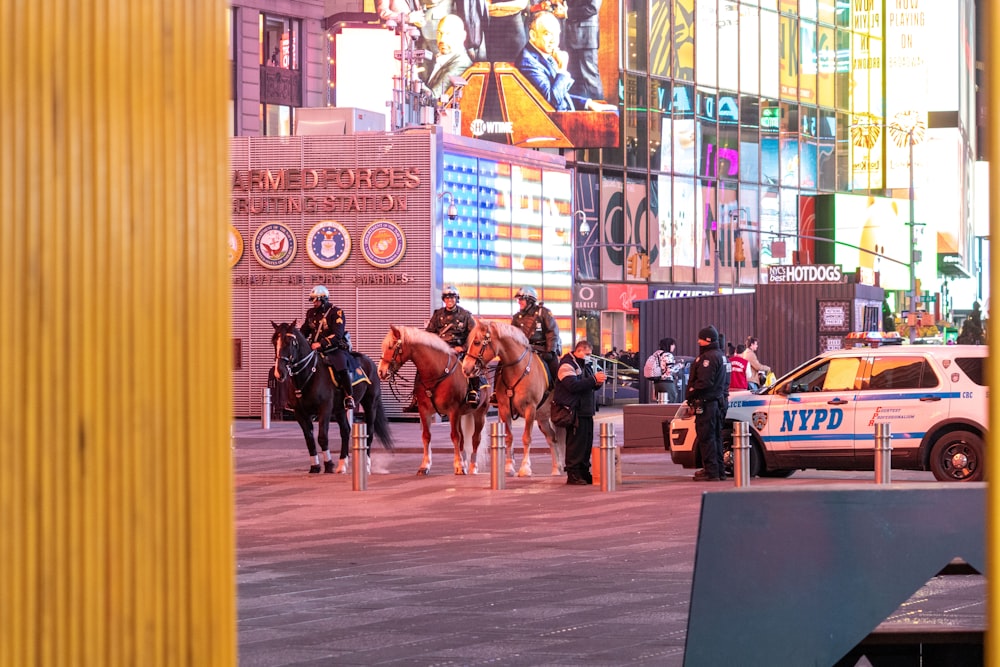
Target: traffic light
644	268
633	265
739	254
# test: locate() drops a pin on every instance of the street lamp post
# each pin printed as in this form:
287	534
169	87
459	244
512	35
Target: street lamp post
913	249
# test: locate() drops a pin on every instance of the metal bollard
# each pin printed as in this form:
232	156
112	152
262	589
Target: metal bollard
662	397
265	409
741	453
607	456
498	455
883	452
359	451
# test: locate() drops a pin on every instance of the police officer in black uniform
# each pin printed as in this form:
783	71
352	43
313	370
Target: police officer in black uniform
452	324
706	394
325	327
538	324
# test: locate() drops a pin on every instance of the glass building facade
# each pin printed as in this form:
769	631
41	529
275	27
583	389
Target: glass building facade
732	110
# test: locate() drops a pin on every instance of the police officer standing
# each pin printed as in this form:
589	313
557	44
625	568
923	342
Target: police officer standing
576	386
706	394
538	324
452	324
326	329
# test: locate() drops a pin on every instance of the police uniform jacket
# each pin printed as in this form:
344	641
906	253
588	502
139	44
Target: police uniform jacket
709	379
453	326
538	324
325	324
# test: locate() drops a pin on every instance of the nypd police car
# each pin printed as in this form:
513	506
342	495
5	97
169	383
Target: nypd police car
823	414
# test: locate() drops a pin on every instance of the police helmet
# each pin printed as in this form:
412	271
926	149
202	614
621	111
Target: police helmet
319	293
527	293
451	291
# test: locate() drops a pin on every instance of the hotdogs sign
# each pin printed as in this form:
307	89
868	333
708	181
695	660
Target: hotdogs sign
322	190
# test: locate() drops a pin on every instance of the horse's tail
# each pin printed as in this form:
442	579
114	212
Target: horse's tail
381	424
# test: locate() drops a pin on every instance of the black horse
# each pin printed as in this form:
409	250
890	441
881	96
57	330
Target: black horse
316	394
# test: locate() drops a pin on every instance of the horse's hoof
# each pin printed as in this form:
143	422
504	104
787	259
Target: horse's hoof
328	467
555	472
341	466
314	469
423	472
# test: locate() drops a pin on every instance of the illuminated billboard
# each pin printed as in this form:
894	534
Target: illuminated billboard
872	233
537	79
511	229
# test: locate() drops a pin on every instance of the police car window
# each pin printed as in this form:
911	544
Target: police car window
837	374
973	367
902	373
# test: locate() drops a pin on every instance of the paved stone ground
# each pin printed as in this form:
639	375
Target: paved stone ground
442	570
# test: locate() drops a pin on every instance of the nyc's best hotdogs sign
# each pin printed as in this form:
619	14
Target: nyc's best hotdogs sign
265	192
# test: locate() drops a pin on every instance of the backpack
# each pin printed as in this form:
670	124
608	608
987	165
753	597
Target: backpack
653	368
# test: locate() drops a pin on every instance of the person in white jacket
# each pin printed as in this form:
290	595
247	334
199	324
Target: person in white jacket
754	367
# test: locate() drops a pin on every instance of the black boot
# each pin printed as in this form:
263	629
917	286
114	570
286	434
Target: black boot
344	382
472	398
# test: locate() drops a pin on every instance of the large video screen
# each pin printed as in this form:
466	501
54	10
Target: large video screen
512	229
532	74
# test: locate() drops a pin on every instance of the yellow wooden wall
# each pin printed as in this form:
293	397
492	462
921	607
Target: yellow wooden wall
116	490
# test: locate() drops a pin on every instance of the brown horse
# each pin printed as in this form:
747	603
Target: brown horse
441	389
521	388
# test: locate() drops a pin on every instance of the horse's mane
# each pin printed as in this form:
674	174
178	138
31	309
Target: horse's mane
510	331
426	338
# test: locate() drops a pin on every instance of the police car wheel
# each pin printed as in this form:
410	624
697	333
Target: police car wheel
780	474
728	460
958	456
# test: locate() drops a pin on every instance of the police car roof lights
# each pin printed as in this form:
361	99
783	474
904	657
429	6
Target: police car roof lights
872	339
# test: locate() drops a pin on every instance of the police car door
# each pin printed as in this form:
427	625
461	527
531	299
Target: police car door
904	391
810	419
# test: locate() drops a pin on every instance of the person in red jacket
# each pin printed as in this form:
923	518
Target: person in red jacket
738	378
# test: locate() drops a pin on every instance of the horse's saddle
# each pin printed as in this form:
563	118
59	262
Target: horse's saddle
356	373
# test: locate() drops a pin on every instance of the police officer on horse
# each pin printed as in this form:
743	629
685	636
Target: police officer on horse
538	324
325	327
452	324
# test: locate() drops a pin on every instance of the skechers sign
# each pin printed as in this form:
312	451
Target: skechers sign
814	273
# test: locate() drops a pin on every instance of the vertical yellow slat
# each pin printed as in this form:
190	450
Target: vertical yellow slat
118	544
991	15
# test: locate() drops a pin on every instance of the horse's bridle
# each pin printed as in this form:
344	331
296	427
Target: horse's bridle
481	361
295	368
395	362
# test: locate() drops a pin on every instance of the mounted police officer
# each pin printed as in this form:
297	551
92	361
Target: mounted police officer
325	327
538	324
452	324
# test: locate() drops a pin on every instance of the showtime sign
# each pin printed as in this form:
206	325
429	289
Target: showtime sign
815	273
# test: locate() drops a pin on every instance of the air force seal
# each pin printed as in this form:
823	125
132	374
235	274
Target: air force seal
274	245
328	244
383	244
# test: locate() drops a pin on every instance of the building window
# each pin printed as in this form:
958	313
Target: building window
280	73
279	42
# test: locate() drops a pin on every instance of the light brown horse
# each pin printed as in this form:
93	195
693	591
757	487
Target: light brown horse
521	388
441	389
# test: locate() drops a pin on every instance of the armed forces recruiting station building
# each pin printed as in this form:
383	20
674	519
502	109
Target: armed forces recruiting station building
367	215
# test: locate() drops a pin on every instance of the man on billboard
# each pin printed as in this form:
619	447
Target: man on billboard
581	37
546	66
451	59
